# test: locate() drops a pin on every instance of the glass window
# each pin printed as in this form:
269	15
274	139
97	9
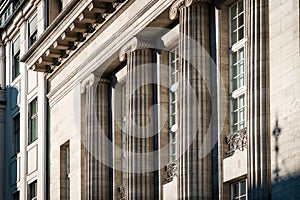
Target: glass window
173	102
68	171
16	58
16	134
237	22
237	69
33	117
65	171
239	190
238	113
32	191
237	66
32	31
124	137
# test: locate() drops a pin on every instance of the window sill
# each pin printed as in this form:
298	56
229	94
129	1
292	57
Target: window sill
236	93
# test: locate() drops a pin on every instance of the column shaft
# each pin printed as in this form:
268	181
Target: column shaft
140	142
195	179
96	132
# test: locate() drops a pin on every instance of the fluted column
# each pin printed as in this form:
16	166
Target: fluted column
139	97
195	164
258	101
96	132
2	65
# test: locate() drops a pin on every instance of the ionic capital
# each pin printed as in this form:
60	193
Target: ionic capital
92	80
184	3
135	44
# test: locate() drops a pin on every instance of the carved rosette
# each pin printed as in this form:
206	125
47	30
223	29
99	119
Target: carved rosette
173	13
171	170
237	141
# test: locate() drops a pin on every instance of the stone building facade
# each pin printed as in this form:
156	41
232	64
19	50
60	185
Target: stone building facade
156	99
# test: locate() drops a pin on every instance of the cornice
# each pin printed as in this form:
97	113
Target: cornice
93	61
173	13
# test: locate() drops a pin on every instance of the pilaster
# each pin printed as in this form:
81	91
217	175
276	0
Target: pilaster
258	101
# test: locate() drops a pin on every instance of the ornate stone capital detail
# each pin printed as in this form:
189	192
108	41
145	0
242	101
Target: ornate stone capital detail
171	170
186	3
92	80
135	44
237	140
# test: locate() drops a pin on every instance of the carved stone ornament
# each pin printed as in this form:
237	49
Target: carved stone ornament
122	191
173	14
89	81
237	140
138	43
171	170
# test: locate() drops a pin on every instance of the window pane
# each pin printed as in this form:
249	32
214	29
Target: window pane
234	71
233	25
234	84
233	38
236	190
240	6
234	104
33	129
234	58
243	187
241	33
240	20
235	117
233	11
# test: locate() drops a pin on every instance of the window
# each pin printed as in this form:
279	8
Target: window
16	58
16	134
65	171
237	67
33	117
124	135
32	31
237	22
15	196
32	191
239	190
173	102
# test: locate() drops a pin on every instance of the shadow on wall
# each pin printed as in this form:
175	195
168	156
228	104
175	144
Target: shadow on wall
287	187
12	139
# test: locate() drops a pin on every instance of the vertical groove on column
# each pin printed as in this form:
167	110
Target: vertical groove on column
258	101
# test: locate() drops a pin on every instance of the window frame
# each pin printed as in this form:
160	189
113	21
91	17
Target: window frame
232	193
30	196
32	35
173	88
237	47
16	134
32	117
15	58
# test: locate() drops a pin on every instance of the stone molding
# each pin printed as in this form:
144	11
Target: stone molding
173	14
